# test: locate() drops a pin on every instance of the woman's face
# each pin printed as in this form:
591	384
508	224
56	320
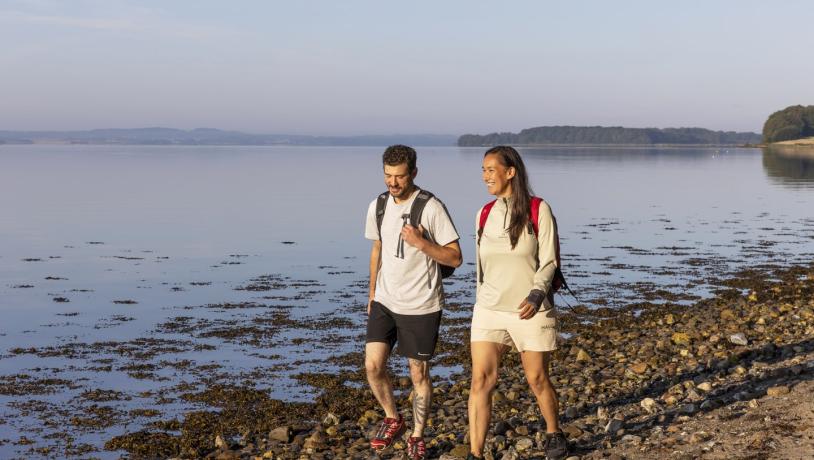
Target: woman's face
497	177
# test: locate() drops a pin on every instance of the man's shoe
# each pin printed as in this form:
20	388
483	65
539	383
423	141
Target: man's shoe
556	447
416	450
389	429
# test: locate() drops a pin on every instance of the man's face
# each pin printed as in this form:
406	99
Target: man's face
399	180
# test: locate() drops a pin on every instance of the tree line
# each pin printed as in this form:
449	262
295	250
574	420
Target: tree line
609	135
793	122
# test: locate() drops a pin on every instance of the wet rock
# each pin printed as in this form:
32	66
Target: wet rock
649	405
523	444
459	451
510	454
699	436
727	315
583	356
330	420
688	409
572	431
778	390
706	387
314	441
680	338
220	443
738	339
282	434
502	427
632	439
638	368
615	424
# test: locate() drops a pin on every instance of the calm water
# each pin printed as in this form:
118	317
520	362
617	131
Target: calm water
175	229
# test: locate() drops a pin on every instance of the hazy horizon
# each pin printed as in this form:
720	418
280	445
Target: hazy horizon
368	68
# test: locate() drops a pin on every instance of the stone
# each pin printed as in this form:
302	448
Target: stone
602	413
669	319
282	434
739	339
632	439
649	405
523	444
330	420
220	443
638	368
777	390
510	454
459	451
315	440
680	338
699	436
572	431
522	430
502	427
614	425
688	409
583	356
706	387
571	412
728	315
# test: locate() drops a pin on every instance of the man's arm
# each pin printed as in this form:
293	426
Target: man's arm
449	254
375	263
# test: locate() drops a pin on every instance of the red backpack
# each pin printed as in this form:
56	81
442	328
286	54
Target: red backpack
534	213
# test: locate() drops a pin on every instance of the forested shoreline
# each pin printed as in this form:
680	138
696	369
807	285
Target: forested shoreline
610	135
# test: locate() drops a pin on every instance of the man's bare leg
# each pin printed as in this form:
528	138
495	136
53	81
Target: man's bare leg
376	354
422	395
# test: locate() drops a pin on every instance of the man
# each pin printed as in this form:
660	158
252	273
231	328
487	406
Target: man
406	293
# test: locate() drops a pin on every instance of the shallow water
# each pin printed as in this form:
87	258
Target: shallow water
178	230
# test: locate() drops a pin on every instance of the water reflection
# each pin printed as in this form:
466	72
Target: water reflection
792	167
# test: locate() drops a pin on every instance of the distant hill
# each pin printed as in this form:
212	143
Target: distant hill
793	122
609	135
209	136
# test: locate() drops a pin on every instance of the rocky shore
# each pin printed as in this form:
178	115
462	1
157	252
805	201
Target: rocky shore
727	377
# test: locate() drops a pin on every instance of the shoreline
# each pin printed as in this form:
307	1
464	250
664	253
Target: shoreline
632	382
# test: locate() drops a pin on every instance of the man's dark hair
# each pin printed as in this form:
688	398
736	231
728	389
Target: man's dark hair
398	154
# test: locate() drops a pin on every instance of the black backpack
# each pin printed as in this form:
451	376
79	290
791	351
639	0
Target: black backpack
416	210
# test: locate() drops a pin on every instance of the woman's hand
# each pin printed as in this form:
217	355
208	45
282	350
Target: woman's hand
528	309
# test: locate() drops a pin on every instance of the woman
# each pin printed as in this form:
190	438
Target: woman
516	264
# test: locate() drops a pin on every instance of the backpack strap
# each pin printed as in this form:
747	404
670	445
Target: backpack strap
535	213
484	214
417	209
381	203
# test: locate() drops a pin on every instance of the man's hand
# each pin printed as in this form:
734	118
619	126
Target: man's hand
414	236
528	309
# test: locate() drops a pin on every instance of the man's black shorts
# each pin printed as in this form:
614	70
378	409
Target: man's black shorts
416	334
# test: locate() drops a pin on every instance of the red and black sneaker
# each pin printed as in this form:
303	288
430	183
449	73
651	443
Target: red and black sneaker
416	450
389	429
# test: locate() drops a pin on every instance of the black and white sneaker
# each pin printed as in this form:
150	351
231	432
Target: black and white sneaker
555	447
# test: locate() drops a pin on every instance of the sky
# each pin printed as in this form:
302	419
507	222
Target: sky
380	67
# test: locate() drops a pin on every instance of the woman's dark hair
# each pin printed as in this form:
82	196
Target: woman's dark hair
521	191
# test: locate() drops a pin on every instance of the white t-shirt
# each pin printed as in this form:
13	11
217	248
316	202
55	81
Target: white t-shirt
410	285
